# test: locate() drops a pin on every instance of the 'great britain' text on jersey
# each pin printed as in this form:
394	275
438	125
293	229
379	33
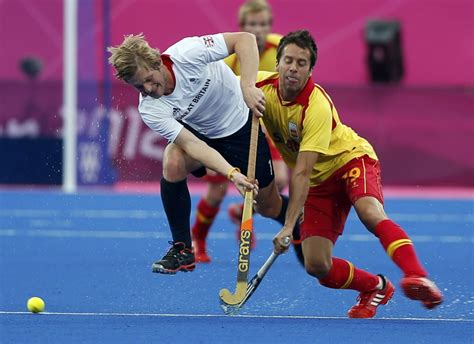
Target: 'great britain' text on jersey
195	100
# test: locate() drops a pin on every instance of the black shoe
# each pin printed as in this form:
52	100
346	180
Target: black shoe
178	258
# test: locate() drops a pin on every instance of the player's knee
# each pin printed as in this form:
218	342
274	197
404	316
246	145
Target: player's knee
370	212
269	202
370	219
174	171
281	182
318	269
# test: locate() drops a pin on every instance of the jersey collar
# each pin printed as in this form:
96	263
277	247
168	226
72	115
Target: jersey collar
303	97
168	63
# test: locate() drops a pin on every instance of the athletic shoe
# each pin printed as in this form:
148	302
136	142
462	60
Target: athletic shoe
367	302
422	289
178	258
200	253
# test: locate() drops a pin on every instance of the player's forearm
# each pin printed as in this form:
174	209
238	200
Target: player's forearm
209	157
200	151
299	187
247	52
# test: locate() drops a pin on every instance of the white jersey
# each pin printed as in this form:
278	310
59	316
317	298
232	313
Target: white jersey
207	94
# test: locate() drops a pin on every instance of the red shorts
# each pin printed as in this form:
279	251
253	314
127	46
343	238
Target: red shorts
328	204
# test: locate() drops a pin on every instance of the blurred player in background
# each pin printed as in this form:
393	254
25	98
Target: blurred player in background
255	16
333	170
190	97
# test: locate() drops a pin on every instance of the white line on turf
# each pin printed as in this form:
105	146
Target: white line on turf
233	316
156	214
120	234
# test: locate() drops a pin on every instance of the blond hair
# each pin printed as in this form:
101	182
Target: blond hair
253	6
134	52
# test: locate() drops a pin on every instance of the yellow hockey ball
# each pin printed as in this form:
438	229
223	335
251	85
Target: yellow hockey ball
35	304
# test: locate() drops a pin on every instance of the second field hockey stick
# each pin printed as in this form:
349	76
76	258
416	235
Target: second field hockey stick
254	282
246	228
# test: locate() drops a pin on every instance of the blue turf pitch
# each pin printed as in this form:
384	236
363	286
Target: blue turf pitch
89	257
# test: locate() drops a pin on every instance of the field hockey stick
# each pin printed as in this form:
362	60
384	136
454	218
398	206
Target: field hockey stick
246	228
255	281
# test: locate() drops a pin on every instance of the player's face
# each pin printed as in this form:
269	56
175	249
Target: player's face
294	69
259	24
149	82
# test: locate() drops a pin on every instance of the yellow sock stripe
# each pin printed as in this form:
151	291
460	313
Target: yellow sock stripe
365	179
204	219
396	244
351	275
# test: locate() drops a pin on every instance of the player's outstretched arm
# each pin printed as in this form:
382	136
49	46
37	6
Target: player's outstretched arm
209	157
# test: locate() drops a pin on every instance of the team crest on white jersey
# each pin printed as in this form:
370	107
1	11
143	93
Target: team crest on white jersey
293	129
208	41
176	111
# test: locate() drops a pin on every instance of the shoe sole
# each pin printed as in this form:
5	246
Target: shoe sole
161	270
420	292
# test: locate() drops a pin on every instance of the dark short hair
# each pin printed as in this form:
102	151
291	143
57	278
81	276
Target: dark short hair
303	39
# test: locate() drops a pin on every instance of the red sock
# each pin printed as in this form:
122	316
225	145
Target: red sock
399	248
344	275
204	218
